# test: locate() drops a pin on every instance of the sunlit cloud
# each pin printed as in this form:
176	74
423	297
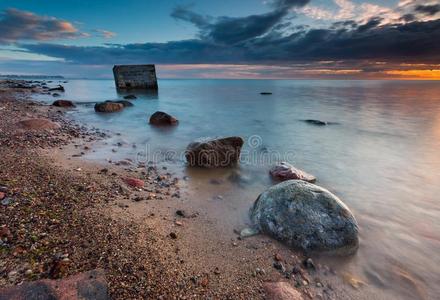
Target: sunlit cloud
17	25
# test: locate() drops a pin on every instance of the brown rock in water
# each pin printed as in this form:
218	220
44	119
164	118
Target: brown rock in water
38	124
285	171
63	103
281	291
108	107
214	153
160	118
88	285
134	182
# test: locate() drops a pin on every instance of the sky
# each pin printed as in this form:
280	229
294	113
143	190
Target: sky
279	39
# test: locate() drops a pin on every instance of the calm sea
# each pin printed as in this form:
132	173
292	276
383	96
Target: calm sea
381	156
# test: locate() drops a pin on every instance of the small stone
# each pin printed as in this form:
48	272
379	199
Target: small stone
178	223
28	272
218	197
6	201
279	266
2	195
216	271
12	276
309	264
134	182
173	235
248	232
181	213
278	257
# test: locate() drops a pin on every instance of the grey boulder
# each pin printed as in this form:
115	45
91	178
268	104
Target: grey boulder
306	216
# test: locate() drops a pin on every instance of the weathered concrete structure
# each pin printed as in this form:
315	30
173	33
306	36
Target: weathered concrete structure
135	77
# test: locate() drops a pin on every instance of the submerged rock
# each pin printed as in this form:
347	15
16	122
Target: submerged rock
285	171
130	97
63	103
306	216
59	88
214	153
38	124
108	107
316	122
265	93
160	118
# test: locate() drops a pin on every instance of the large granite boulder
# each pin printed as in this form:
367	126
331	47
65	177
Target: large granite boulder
306	216
38	124
63	103
285	171
108	107
160	118
214	153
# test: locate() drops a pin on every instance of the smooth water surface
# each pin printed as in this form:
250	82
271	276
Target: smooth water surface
381	157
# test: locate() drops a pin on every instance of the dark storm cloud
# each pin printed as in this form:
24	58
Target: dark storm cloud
399	43
268	38
16	25
429	10
229	30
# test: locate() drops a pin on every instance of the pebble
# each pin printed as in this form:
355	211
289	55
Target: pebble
12	276
181	213
2	195
248	232
278	257
173	235
279	266
6	201
309	264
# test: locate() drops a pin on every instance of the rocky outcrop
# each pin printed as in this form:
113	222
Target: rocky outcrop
160	118
285	171
108	107
281	291
86	286
306	216
37	124
63	103
214	153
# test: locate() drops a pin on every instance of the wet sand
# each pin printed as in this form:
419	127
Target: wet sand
61	204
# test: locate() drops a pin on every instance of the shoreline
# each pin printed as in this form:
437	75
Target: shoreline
84	210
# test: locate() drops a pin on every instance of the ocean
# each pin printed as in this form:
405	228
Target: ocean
380	154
